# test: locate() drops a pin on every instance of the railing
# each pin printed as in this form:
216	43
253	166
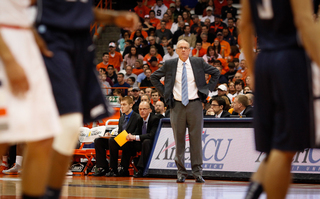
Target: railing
108	5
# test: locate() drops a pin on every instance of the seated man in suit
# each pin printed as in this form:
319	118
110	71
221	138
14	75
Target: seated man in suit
142	138
241	106
128	122
217	108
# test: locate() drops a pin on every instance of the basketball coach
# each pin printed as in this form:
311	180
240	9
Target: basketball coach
184	89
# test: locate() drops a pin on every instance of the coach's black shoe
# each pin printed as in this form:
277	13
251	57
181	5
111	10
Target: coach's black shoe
199	179
139	174
122	173
181	179
100	172
110	174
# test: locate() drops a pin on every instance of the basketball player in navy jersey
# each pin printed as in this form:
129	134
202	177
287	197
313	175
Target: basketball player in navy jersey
283	121
65	26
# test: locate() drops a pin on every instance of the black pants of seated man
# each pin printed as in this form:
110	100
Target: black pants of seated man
101	145
129	149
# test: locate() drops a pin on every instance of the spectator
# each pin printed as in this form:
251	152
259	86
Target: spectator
171	53
196	27
115	58
228	9
143	33
152	53
146	82
167	20
227	100
141	9
198	51
205	43
160	9
210	36
229	16
232	29
247	90
164	32
218	4
179	8
236	63
211	54
122	41
146	98
106	83
168	3
105	61
160	109
138	67
142	138
237	76
217	26
170	15
111	73
209	4
127	47
132	82
224	45
136	99
153	64
222	78
201	5
239	86
235	53
209	16
129	74
117	92
131	57
232	92
175	25
187	18
228	37
189	37
148	92
232	71
153	35
241	106
164	43
217	109
158	46
178	32
102	71
149	3
155	97
138	34
217	48
251	99
147	25
243	70
122	83
153	20
248	82
130	90
142	75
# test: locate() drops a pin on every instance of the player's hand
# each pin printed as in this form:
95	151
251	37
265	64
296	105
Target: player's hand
127	20
17	78
42	44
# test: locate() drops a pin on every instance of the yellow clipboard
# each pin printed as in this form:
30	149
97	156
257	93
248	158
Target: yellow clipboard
121	138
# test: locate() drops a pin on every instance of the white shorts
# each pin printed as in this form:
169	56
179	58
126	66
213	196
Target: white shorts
34	117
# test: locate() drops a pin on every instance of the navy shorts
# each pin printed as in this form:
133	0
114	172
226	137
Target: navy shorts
72	73
283	115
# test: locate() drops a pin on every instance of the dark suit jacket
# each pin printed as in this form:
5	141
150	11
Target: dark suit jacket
248	112
132	124
224	114
169	70
151	127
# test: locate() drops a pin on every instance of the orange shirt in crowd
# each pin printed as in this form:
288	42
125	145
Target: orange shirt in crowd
168	25
224	64
115	60
206	45
244	74
102	65
190	24
144	34
201	52
218	6
141	11
148	57
226	46
137	71
167	3
155	22
150	3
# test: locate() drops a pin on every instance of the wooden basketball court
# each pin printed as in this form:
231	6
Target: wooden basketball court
89	187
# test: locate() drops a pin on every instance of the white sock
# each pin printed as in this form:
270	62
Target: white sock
19	160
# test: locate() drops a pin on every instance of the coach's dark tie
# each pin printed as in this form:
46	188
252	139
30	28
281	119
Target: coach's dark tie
125	122
184	86
144	128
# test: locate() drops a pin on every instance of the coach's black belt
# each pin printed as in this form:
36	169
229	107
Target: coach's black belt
197	99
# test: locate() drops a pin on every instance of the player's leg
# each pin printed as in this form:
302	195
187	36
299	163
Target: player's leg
63	147
255	188
278	177
36	166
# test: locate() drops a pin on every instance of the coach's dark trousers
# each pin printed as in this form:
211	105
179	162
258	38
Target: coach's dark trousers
182	117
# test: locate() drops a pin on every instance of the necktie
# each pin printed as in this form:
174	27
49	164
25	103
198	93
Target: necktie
144	128
184	85
125	122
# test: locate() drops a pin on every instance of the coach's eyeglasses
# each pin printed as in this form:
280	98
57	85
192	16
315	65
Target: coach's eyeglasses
183	48
214	104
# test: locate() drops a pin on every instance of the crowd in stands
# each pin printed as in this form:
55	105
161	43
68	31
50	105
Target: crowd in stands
212	33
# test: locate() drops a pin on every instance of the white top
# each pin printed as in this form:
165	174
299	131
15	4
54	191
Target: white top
174	27
218	116
206	17
14	12
159	11
167	56
205	57
192	87
231	97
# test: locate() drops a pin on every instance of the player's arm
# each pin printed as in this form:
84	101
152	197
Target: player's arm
247	33
16	76
123	19
310	31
